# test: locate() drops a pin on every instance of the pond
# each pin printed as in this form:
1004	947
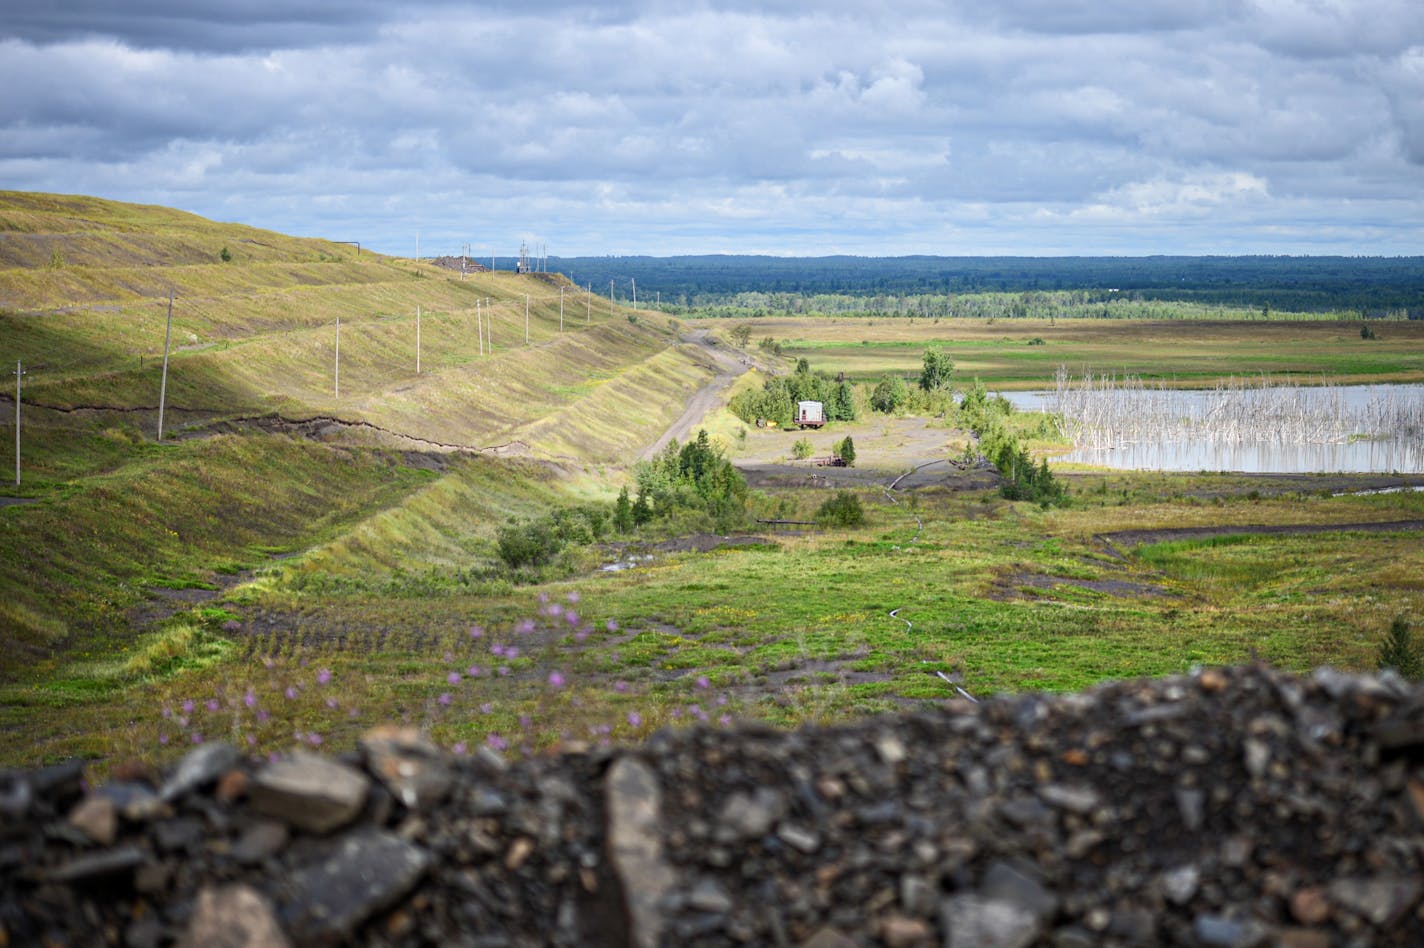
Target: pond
1246	428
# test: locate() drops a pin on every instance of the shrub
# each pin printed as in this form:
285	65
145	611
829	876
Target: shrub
842	510
225	255
936	369
1398	651
801	450
527	543
845	450
1367	331
889	394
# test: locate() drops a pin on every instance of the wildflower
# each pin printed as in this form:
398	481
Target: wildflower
511	652
251	740
163	740
453	678
573	596
703	683
611	625
496	742
291	692
332	703
571	617
314	739
323	676
250	699
525	626
635	719
262	716
556	680
267	662
476	632
620	686
725	720
188	706
444	699
486	708
460	749
525	721
197	738
504	671
580	635
496	649
167	711
473	671
449	656
721	700
213	704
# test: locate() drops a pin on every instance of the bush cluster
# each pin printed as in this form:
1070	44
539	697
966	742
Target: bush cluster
777	398
842	510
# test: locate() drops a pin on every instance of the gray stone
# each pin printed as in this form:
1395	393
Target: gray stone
235	916
974	921
1007	883
1223	932
200	766
309	792
181	835
412	768
1191	804
112	862
369	872
634	801
1257	757
752	815
260	841
1383	900
708	896
798	838
1074	799
1180	884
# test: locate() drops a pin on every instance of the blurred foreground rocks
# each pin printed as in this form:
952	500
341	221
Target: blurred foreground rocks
1235	807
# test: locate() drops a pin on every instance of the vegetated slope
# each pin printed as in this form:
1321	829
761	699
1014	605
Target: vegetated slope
84	288
84	295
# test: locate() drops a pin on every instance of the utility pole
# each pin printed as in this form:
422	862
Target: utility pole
417	246
479	327
588	305
561	309
489	323
635	294
610	297
19	373
417	338
163	385
526	319
336	377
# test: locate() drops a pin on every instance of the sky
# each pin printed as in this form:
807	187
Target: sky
1036	127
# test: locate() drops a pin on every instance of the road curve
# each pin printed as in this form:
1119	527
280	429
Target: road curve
730	368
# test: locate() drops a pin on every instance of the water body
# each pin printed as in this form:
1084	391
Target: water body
1374	455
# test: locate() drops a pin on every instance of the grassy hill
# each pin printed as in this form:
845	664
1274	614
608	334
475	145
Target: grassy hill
84	290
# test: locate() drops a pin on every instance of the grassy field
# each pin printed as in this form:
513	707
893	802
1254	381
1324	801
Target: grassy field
299	584
1187	353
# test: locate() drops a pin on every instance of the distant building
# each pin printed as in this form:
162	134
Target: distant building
523	265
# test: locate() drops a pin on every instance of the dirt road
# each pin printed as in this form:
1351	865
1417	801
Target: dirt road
730	365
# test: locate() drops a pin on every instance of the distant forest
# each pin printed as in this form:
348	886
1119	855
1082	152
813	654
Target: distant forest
1365	286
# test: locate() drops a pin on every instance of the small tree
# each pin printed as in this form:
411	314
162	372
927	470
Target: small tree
642	510
741	334
1398	651
936	369
889	394
845	450
623	512
225	255
801	450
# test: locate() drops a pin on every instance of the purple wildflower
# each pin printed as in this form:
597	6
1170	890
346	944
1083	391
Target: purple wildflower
486	708
291	692
620	686
571	617
556	680
453	678
511	652
725	720
703	683
496	742
213	704
262	716
197	738
460	750
250	699
496	649
473	671
323	676
611	625
163	740
332	703
635	719
188	706
476	632
525	626
504	670
573	596
444	699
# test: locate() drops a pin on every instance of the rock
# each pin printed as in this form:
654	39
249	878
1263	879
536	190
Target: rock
97	818
973	921
1383	900
828	937
1005	883
234	916
1219	930
890	748
1302	938
136	802
309	792
898	931
634	812
412	768
751	816
1191	806
798	838
708	896
260	841
112	862
1309	906
201	766
1181	883
1074	799
369	871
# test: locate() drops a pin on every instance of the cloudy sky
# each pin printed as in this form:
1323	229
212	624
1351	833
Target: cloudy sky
668	126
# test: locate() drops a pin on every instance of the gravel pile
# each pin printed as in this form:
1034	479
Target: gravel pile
1234	807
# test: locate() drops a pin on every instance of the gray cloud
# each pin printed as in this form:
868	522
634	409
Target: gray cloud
1024	126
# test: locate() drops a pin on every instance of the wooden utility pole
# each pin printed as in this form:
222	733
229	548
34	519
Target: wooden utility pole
489	323
561	309
417	338
588	305
635	294
526	319
163	385
19	373
336	377
479	327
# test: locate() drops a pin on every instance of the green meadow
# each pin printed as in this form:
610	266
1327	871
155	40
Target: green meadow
291	567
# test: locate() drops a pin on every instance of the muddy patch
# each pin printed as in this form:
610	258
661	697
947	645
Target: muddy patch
1134	538
1014	585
